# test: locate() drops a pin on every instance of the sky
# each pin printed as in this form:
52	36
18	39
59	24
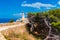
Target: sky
14	8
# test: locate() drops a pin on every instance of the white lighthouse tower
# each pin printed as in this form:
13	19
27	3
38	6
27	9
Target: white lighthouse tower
23	16
23	19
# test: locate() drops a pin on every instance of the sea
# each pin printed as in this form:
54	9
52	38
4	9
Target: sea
6	20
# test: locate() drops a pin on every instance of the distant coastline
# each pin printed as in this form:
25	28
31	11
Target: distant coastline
6	20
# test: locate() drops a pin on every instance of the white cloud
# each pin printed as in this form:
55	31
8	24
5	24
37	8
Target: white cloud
37	5
59	2
18	14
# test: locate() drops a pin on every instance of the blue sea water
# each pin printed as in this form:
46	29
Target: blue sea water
5	20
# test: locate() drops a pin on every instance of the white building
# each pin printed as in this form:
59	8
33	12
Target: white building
23	19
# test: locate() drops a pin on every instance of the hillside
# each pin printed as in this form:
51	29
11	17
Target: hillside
41	26
18	33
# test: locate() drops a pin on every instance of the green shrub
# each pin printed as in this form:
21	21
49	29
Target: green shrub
12	20
56	25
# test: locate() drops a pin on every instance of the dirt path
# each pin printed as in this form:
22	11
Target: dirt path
8	27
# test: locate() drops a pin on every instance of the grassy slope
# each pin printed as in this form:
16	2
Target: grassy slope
18	33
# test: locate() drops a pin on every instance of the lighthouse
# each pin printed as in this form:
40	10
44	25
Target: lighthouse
23	16
22	19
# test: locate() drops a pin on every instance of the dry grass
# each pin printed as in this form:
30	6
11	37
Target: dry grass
9	24
18	33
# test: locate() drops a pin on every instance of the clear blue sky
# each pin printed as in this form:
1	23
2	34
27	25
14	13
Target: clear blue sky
13	8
